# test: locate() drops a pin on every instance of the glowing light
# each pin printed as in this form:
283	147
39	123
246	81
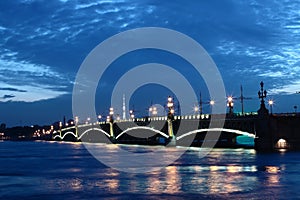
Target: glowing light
154	111
230	99
169	99
170	104
212	102
272	169
196	109
282	144
270	102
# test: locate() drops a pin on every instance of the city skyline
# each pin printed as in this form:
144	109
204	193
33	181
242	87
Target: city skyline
44	43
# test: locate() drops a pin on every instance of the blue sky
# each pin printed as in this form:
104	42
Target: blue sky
43	43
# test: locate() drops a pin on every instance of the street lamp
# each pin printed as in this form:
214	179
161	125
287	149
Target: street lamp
196	109
170	106
271	102
170	118
153	110
262	94
131	114
60	125
88	120
170	103
76	126
110	120
230	104
111	111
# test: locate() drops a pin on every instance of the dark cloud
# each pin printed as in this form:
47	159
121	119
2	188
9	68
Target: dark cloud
8	96
12	89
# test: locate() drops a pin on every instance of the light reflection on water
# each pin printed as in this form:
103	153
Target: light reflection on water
68	170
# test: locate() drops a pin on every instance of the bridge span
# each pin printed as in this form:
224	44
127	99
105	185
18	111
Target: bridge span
187	130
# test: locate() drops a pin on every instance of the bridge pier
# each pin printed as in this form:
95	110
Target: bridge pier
111	132
172	137
263	141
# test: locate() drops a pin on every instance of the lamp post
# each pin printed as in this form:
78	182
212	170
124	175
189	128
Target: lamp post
262	94
76	126
110	119
60	125
230	104
131	114
170	106
99	118
196	109
170	118
153	111
271	102
88	120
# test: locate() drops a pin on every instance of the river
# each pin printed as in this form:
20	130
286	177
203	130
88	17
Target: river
62	170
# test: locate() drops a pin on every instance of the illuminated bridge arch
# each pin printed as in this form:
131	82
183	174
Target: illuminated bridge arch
93	129
67	133
142	128
238	132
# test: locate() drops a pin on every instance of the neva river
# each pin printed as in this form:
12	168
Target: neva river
53	170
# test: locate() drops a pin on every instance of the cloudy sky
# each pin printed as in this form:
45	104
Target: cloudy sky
43	43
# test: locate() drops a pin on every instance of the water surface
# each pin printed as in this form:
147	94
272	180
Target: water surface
58	170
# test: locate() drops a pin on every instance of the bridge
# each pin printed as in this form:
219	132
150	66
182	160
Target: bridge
270	131
187	130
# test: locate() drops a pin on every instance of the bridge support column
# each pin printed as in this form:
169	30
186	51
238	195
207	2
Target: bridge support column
76	132
111	131
172	141
264	140
60	133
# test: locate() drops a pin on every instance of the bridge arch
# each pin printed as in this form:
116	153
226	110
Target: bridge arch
62	137
238	132
143	128
93	129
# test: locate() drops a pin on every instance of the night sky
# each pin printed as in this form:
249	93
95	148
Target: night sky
43	43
